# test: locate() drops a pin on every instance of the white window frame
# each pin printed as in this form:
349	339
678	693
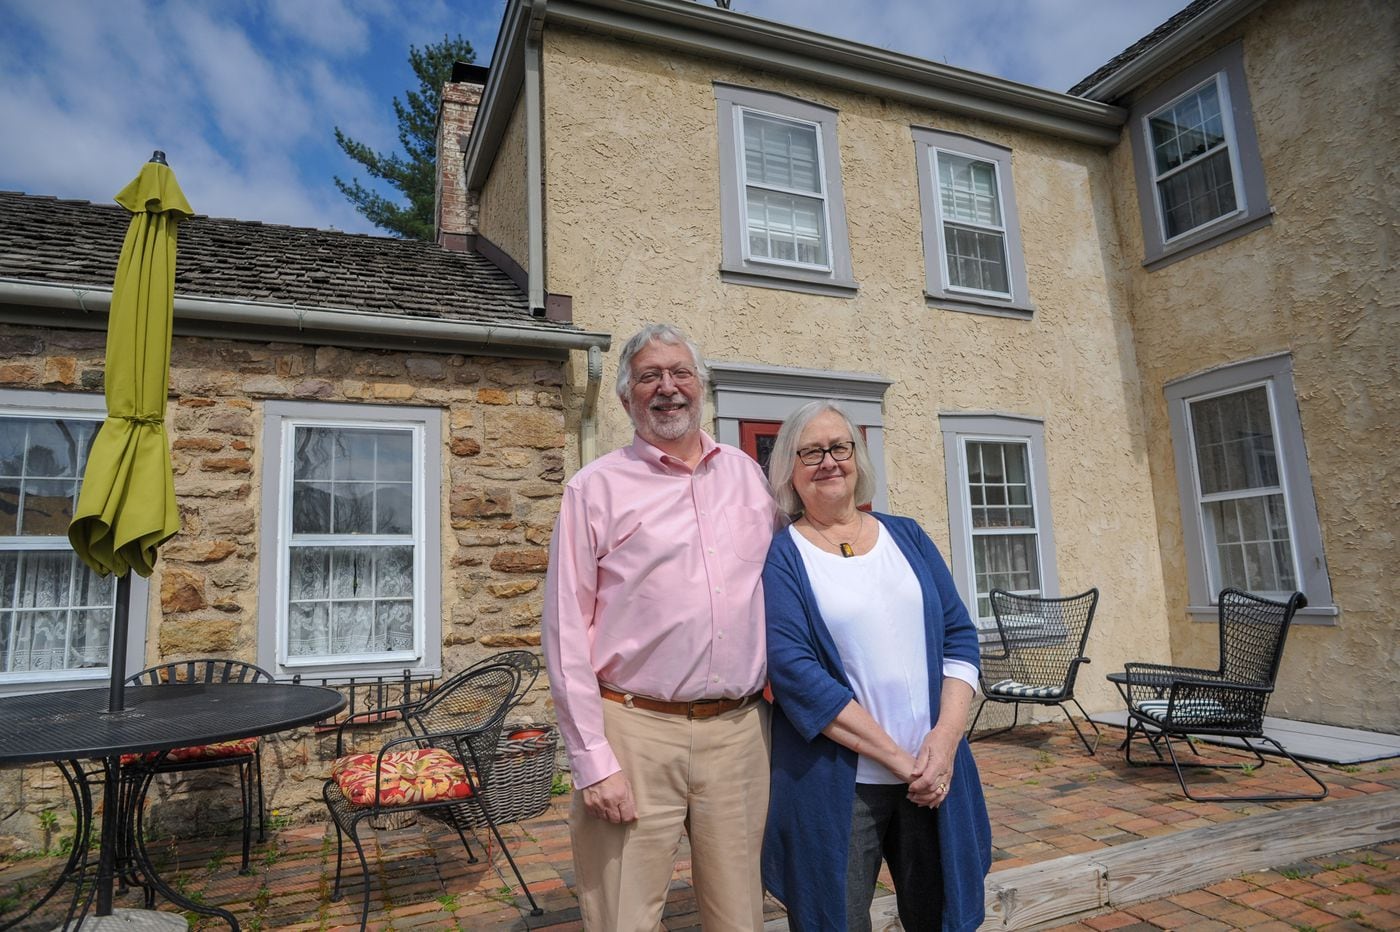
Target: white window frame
1275	374
1226	68
958	430
1231	148
738	265
939	291
24	403
281	419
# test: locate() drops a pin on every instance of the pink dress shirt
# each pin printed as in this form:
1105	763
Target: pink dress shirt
654	587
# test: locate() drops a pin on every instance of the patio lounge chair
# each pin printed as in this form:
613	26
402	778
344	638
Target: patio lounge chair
1035	655
244	753
443	765
1167	702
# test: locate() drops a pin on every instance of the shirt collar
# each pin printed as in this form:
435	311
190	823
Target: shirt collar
657	457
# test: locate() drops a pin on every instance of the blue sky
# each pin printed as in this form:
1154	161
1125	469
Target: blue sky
244	95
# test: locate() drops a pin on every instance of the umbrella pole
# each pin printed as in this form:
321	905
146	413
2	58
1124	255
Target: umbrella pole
117	688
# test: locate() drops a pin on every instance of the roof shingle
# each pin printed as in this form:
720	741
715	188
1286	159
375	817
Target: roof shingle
67	242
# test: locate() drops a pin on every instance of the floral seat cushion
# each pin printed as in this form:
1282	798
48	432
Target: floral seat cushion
408	777
219	750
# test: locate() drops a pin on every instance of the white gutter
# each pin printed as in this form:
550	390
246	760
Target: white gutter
534	162
286	321
1168	52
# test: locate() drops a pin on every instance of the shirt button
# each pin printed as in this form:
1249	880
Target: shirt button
714	679
719	590
709	550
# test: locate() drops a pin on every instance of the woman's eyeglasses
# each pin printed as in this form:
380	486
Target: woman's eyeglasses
840	452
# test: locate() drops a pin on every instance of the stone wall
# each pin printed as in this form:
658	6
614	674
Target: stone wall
502	468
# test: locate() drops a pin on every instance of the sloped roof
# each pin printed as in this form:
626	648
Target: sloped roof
68	242
1142	46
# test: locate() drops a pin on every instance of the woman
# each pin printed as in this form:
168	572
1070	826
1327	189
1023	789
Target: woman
873	663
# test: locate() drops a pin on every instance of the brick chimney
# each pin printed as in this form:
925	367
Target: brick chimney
454	207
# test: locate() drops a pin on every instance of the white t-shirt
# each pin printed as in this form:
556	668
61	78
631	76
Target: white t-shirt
874	609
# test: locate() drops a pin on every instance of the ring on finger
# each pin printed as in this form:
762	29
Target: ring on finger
942	788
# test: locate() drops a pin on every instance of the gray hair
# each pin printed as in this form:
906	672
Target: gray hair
661	333
784	457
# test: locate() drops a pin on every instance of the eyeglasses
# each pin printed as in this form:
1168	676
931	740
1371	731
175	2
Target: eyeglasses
840	452
681	375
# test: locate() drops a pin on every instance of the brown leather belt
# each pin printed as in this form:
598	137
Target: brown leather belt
700	708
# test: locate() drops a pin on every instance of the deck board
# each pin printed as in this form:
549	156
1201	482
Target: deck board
1326	744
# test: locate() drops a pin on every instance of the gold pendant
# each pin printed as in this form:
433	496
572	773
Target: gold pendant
847	550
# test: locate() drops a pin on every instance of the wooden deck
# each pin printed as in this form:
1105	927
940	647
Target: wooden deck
1326	744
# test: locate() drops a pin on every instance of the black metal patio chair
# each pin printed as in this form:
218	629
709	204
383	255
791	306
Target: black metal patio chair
1168	703
444	764
1036	654
244	754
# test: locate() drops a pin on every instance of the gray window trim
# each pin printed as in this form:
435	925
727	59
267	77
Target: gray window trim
60	403
1228	65
956	426
937	293
750	392
734	268
1276	371
275	413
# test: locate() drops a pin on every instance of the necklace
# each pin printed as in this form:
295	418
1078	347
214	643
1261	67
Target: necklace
847	549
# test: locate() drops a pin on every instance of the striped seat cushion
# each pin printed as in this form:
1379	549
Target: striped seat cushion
1186	710
1022	691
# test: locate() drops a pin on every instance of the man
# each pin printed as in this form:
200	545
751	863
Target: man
653	636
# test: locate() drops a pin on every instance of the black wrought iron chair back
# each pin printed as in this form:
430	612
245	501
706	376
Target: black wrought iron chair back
446	759
245	755
1036	654
1170	702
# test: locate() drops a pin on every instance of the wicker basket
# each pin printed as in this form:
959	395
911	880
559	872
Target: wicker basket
522	777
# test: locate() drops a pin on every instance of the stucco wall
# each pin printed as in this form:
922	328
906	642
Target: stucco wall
633	233
501	469
503	217
1320	282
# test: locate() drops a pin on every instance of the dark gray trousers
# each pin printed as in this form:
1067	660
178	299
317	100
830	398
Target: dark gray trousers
885	824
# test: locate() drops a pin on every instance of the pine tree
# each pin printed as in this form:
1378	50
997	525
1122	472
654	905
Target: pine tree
416	175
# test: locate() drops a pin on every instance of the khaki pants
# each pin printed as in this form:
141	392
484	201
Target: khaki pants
708	777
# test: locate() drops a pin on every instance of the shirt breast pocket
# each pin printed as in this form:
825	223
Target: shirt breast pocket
750	532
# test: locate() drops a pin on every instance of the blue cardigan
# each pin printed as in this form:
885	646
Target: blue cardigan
813	778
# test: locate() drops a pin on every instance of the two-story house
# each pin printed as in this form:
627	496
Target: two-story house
1132	337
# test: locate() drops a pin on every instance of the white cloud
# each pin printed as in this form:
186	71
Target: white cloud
329	25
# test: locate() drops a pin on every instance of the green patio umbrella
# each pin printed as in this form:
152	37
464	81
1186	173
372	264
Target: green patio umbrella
127	506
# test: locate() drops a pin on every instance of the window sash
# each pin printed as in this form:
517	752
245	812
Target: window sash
71	636
974	255
1194	190
782	217
1017	567
312	630
1247	530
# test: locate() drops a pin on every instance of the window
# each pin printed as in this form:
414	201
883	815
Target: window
972	240
999	530
355	542
1200	179
1248	514
55	613
784	218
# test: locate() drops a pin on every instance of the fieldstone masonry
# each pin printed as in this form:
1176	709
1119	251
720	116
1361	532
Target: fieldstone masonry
502	473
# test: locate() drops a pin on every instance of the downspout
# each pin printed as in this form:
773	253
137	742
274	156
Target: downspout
534	161
588	424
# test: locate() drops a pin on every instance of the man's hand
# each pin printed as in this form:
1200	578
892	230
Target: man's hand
610	799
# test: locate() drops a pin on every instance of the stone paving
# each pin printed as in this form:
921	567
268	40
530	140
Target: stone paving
1047	798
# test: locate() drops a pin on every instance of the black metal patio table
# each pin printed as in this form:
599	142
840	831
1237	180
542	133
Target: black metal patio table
70	727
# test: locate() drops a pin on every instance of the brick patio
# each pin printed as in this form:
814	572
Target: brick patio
1047	799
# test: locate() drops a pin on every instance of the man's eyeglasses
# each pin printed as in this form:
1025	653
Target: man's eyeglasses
681	375
840	452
